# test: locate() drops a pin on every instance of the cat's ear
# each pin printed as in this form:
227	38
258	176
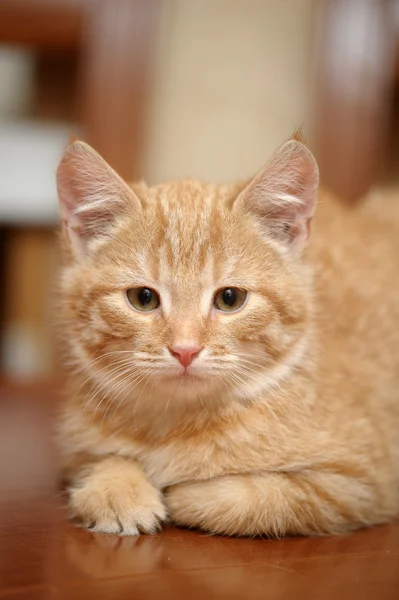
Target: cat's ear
283	195
91	196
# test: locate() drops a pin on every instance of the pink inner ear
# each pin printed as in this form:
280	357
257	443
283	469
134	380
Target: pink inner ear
283	194
91	194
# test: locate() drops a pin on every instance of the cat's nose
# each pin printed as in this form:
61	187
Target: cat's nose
185	354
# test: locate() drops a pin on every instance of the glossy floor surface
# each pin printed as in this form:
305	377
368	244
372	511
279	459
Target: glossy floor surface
44	557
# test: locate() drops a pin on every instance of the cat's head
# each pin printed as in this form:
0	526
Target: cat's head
186	290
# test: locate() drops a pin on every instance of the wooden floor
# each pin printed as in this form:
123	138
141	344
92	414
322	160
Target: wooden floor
43	557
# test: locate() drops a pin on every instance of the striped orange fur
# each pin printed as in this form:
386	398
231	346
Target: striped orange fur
287	420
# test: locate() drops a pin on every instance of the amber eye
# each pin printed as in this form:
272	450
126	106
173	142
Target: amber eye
229	299
143	298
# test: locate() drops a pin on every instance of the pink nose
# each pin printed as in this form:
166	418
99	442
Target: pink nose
185	354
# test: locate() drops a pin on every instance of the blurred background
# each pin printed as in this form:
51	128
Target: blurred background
165	89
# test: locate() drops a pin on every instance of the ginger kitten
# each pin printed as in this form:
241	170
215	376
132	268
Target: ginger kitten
226	376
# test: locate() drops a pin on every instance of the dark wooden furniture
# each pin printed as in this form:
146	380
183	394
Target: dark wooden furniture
357	78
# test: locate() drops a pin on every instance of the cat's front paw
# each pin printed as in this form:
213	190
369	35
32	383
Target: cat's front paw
121	504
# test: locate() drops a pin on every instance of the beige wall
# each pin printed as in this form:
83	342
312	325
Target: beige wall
233	81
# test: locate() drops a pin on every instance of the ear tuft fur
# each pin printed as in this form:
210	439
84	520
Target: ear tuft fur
298	135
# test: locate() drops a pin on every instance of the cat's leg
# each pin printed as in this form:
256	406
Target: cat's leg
275	504
112	495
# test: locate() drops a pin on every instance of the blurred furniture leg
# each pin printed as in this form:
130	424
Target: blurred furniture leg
357	45
3	233
29	332
115	80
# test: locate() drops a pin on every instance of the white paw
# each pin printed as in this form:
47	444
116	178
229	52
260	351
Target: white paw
117	506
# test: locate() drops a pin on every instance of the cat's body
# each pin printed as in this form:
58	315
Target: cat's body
301	435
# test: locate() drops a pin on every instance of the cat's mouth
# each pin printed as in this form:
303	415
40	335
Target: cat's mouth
188	373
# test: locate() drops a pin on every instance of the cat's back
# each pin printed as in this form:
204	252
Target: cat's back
355	251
